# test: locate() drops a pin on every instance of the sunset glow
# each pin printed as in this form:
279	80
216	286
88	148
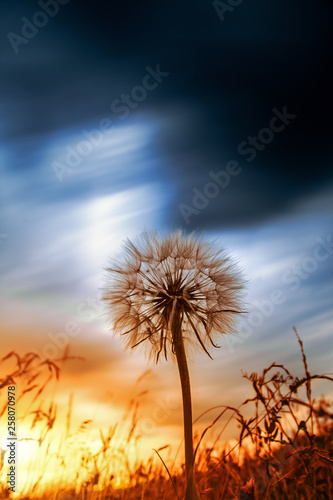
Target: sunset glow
127	122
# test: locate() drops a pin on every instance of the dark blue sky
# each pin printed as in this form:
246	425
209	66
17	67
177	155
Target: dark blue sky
225	79
142	115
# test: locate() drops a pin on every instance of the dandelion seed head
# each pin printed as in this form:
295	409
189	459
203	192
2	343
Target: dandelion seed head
164	282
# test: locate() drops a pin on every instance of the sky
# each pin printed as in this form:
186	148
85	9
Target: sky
118	119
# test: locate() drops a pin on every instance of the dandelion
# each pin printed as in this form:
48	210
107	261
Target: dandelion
174	293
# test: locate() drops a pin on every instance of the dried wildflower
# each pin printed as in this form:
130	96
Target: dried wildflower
172	292
161	282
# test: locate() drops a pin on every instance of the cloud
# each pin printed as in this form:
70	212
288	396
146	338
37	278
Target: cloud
225	79
223	84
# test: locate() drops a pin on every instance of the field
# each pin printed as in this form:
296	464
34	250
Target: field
284	449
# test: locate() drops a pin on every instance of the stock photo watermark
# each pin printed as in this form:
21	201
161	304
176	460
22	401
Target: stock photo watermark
201	199
94	138
293	277
12	439
86	312
265	136
220	180
30	27
160	415
225	7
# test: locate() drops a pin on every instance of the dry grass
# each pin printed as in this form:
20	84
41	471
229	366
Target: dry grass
284	449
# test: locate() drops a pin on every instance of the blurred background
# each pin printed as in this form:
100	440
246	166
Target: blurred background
120	118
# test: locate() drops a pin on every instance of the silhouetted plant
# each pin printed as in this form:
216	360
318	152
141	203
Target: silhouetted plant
173	292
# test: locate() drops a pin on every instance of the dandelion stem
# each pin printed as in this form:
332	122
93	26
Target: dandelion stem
178	342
